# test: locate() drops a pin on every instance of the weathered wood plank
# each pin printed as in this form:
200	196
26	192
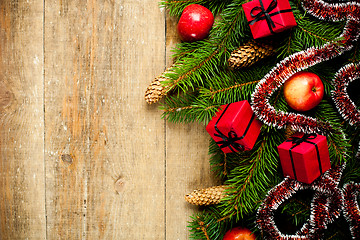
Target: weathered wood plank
22	186
104	146
187	169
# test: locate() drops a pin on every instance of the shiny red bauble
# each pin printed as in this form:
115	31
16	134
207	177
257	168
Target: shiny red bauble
303	91
195	23
239	233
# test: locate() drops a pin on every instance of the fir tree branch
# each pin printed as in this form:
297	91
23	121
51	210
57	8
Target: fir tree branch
315	35
204	62
206	225
203	228
222	163
297	208
178	109
248	182
174	83
337	141
333	236
308	32
237	85
188	108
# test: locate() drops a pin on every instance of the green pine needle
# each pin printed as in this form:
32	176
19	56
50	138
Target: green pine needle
253	176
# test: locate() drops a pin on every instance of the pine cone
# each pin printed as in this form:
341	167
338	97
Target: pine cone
207	196
249	54
155	91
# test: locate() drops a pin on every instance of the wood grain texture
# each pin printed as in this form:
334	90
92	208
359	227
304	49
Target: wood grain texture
82	156
105	160
22	190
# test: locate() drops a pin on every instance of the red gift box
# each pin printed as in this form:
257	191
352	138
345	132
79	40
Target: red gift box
234	127
267	17
304	157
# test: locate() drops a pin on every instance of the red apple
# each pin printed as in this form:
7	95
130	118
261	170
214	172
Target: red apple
195	23
239	233
303	91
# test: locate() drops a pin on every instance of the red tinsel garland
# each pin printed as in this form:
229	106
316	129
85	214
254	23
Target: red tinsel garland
326	206
351	208
305	59
345	106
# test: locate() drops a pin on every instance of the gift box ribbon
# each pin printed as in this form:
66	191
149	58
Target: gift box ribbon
297	141
265	14
231	139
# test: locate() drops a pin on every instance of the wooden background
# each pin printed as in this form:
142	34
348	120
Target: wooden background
82	156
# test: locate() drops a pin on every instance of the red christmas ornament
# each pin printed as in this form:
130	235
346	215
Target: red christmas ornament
303	91
239	233
195	23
